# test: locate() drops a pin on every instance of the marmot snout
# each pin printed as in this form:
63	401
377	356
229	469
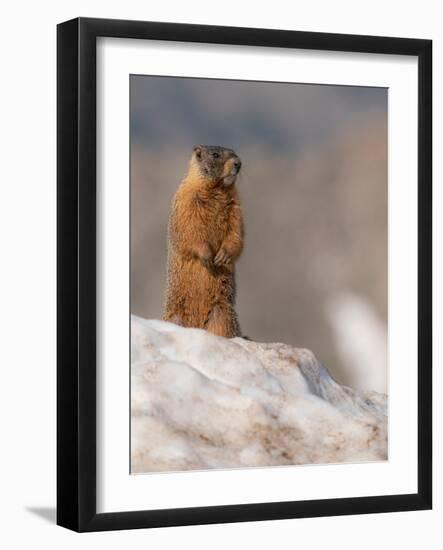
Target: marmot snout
205	238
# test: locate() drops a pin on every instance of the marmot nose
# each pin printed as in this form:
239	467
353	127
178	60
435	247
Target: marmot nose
237	164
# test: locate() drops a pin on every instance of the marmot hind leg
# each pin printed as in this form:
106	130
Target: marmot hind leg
222	321
174	318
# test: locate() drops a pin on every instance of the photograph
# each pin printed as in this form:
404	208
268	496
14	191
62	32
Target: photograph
258	274
222	320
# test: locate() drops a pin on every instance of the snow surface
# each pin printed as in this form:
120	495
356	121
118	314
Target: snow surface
199	401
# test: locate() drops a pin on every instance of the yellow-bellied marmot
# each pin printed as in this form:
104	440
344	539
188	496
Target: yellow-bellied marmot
205	238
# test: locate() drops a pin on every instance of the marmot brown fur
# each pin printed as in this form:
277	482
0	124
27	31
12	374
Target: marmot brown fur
205	238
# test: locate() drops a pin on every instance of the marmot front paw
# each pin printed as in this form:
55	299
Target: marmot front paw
205	255
222	257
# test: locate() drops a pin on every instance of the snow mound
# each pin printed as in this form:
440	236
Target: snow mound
199	401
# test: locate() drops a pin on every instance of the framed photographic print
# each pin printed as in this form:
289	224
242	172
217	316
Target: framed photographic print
244	274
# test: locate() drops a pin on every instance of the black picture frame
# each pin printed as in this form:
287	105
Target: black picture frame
76	279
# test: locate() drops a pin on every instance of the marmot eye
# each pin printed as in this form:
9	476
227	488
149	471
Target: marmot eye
215	155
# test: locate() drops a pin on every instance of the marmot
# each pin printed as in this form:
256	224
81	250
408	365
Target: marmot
205	238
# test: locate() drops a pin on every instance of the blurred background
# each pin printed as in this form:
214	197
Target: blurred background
313	188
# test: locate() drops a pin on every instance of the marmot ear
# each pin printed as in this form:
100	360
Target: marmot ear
198	151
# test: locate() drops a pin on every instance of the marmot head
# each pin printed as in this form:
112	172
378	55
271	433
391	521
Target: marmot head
216	165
